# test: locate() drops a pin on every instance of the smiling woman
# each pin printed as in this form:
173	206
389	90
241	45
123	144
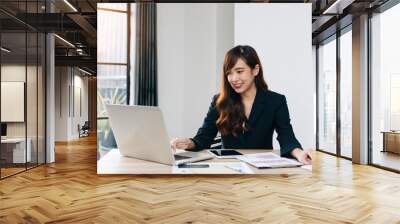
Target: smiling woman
242	76
245	112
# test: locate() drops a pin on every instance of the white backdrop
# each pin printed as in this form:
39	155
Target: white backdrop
191	42
192	39
12	101
281	35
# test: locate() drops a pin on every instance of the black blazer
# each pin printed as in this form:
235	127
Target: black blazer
269	112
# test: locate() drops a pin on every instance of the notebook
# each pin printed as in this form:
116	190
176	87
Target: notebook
268	160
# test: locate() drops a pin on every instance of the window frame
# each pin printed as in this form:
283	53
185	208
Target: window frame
334	37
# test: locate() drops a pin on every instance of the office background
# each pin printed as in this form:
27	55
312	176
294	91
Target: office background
71	101
351	66
358	88
191	42
340	189
44	97
22	77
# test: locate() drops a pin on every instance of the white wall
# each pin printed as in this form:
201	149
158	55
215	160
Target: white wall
225	38
281	35
193	38
14	72
189	61
61	103
12	106
33	126
170	52
66	121
314	73
80	83
17	73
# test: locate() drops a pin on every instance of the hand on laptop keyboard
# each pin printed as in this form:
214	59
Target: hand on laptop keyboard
181	143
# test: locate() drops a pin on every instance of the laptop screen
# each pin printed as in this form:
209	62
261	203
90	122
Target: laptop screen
3	129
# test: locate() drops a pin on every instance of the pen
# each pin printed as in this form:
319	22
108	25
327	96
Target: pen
234	169
190	165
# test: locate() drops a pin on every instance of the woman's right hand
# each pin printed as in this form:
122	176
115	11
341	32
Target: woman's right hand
182	143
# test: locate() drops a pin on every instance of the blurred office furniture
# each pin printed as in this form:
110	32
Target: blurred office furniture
13	151
391	141
3	130
84	129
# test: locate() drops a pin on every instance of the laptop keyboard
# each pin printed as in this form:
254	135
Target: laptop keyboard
180	157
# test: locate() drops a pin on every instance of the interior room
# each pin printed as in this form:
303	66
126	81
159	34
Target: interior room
61	63
22	100
25	90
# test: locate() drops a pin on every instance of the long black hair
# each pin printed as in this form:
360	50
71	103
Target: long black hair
229	104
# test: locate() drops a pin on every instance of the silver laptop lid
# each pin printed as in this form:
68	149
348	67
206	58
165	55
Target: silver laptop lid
140	132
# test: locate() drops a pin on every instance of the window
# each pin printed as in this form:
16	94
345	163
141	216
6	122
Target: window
335	94
114	64
111	56
327	96
346	94
385	88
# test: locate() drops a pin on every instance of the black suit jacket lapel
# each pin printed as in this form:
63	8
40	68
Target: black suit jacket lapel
257	108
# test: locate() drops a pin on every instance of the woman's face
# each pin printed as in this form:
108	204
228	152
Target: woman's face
241	76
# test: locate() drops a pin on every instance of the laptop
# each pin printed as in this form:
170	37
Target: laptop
140	132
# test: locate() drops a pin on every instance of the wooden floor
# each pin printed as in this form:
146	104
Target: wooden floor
10	171
387	159
70	191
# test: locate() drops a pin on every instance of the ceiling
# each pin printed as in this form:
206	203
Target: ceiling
76	22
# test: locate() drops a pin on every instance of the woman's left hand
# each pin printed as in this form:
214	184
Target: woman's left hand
303	156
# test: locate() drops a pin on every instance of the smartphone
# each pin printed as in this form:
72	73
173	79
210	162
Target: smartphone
225	153
185	165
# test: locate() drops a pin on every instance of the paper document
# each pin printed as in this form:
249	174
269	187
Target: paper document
268	160
239	167
216	168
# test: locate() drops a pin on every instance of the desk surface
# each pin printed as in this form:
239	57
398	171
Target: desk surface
390	132
13	140
114	163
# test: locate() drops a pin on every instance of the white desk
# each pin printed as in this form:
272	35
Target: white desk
19	149
114	163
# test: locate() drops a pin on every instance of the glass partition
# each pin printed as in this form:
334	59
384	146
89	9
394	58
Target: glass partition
14	144
22	78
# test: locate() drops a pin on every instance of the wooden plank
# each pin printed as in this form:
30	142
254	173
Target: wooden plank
70	191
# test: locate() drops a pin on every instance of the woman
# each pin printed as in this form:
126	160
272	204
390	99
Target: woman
245	112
